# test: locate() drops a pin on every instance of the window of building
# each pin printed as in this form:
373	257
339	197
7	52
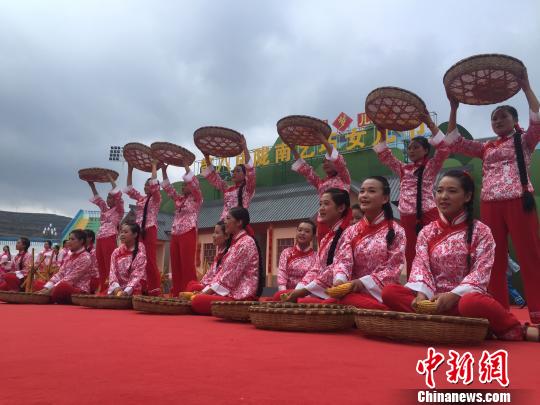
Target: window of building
209	251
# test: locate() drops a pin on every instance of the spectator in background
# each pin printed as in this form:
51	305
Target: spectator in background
5	260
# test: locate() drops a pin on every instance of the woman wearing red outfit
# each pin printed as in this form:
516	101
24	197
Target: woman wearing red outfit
20	266
507	203
453	264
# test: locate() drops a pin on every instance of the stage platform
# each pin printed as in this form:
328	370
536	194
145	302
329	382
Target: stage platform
72	355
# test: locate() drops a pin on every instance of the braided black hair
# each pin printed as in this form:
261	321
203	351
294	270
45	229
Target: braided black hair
423	142
467	184
527	198
340	197
241	188
387	209
134	228
221	224
242	214
90	237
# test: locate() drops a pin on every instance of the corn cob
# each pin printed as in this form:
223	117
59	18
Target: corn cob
340	290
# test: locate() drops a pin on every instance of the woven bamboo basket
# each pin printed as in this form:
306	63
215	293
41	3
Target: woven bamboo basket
218	141
394	108
158	305
97	174
15	297
302	317
431	329
484	79
139	156
102	301
302	130
233	310
172	154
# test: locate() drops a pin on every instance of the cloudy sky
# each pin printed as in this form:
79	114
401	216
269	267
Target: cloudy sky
79	76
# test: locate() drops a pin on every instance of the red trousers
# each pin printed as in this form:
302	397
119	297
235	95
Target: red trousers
508	217
408	222
362	300
183	249
10	283
153	277
61	294
104	249
472	305
202	303
193	285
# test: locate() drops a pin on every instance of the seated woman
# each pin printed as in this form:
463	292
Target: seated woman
75	274
239	275
221	241
90	248
372	251
453	264
5	260
20	266
128	263
337	176
297	260
333	210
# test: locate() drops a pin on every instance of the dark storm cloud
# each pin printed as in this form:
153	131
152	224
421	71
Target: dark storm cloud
77	77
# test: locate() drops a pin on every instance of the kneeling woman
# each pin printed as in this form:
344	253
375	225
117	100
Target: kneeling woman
373	250
19	267
334	206
75	274
221	241
453	263
297	260
239	275
128	263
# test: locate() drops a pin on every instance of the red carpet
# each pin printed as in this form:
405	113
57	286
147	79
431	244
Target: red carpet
67	354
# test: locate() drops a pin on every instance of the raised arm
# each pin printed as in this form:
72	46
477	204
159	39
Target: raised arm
457	143
385	154
190	178
532	136
167	186
211	175
93	188
130	175
334	156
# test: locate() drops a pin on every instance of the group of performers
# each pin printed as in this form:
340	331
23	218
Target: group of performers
451	258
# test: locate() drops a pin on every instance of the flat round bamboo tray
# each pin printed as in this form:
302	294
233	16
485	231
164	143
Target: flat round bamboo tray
158	305
172	154
394	108
233	310
432	329
302	130
15	297
426	307
218	141
139	156
484	79
97	174
302	317
102	301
